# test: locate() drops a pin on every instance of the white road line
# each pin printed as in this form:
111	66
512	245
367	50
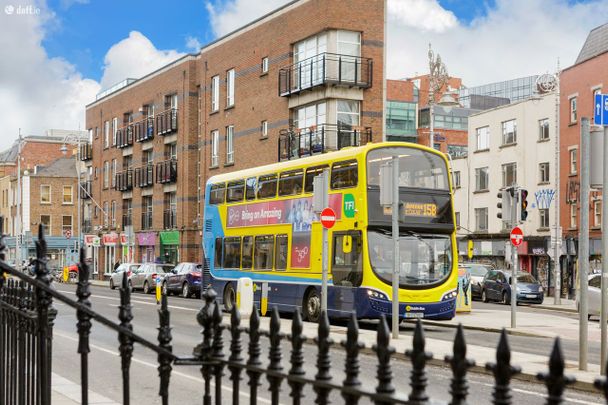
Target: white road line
133	301
155	367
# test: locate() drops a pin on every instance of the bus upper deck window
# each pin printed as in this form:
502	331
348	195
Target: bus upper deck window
290	183
250	187
235	191
344	174
217	194
267	186
311	173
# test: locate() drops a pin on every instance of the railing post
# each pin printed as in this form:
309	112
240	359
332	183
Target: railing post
126	344
83	325
323	342
503	371
340	69
351	364
274	355
384	352
419	357
555	380
235	358
204	350
297	356
218	352
356	70
459	365
254	352
164	341
21	326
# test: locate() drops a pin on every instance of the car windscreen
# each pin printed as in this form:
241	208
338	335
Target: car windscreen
477	271
525	278
164	268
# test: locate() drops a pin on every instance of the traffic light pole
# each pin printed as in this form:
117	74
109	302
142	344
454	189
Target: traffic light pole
583	252
514	221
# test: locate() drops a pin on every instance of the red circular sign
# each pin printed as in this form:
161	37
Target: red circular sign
517	236
328	218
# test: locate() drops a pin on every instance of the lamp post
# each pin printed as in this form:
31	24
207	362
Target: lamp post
75	140
438	77
18	227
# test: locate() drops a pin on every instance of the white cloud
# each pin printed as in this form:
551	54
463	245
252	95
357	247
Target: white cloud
426	15
193	44
134	57
227	16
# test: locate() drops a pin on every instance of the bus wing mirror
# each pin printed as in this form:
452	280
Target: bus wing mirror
347	244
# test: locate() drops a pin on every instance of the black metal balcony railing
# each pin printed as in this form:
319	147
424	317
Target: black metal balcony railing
325	68
86	151
296	143
124	137
127	219
146	220
144	129
124	180
144	176
170	219
166	172
166	122
86	187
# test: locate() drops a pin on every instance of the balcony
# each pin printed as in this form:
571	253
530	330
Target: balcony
170	219
166	172
297	143
166	122
124	137
144	176
127	220
325	69
87	226
86	151
144	130
124	180
146	220
86	188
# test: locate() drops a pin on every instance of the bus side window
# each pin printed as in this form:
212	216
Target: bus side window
267	186
344	174
264	249
247	252
280	253
250	188
232	252
346	267
311	173
217	194
290	183
218	253
236	191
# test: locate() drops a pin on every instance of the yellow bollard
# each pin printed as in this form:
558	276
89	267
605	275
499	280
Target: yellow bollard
66	274
158	291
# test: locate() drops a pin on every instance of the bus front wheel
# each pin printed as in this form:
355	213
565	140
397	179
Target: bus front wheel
312	306
229	297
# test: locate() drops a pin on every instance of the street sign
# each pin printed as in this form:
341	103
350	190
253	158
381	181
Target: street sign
517	236
68	234
328	218
600	109
349	205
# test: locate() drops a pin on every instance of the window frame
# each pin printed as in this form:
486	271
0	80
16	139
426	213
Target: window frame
215	140
63	226
230	144
267	178
71	194
544	218
573	152
256	249
114	130
283	264
288	179
50	201
237	257
230	90
232	186
504	171
456	179
214	189
597	213
477	219
265	64
249	255
573	116
482	135
478	172
215	93
47	230
573	216
342	167
506	134
310	174
264	129
544	172
543	129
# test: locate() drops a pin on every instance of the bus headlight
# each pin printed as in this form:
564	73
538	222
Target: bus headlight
450	295
377	295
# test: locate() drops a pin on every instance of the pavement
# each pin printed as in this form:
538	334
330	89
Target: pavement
66	392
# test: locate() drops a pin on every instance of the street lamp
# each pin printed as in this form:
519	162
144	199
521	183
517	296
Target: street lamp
75	140
438	77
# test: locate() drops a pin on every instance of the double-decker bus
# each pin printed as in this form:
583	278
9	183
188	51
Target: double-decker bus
259	223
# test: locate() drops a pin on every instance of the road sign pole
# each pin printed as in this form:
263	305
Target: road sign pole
396	261
604	285
514	221
583	237
324	276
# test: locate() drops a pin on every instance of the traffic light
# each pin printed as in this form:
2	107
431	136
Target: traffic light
505	204
523	205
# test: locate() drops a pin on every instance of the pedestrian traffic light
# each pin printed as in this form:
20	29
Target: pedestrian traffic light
523	204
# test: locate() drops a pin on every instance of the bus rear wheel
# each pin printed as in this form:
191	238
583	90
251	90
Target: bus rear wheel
229	297
312	306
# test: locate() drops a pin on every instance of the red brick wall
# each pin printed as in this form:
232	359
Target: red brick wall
400	90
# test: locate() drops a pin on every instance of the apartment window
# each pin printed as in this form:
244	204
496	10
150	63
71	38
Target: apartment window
348	113
106	134
456	179
66	224
573	215
481	179
127	212
264	129
265	65
573	110
544	172
215	140
481	219
106	174
544	217
171	151
171	102
509	132
146	218
68	197
229	144
543	129
573	162
313	115
215	93
97	132
509	174
114	129
45	194
457	215
90	135
230	88
46	221
106	214
483	138
114	167
597	213
113	214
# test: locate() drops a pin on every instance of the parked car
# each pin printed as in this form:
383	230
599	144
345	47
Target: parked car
477	272
594	295
145	276
184	279
118	274
496	286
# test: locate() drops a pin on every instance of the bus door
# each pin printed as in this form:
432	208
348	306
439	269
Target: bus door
346	269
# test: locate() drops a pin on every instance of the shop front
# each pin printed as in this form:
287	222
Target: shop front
146	242
110	245
92	244
169	244
127	242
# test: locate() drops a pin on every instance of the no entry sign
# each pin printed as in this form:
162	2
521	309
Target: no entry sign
328	218
517	236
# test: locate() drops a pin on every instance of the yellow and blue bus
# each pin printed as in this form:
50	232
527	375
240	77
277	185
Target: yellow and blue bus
259	223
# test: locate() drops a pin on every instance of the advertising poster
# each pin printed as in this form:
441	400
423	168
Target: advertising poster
463	299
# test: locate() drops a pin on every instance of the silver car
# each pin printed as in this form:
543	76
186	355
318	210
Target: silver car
145	276
117	275
594	295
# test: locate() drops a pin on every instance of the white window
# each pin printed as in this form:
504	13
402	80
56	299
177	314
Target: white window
45	194
114	129
481	219
597	213
113	214
348	113
509	174
543	129
106	174
173	100
308	54
349	43
543	214
215	140
265	65
573	160
264	129
66	224
573	110
310	115
573	215
509	132
90	135
230	144
114	167
544	172
106	217
483	138
215	93
68	197
456	179
106	134
481	179
230	88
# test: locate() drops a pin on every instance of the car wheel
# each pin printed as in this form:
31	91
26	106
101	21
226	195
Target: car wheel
229	297
164	289
312	306
112	286
185	290
484	297
505	300
146	288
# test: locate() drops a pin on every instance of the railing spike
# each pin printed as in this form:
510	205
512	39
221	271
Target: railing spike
84	323
503	371
164	341
254	352
555	380
351	364
125	315
459	364
419	357
204	349
274	355
324	342
297	356
384	352
236	349
218	352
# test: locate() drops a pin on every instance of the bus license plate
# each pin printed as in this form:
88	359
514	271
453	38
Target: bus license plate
414	314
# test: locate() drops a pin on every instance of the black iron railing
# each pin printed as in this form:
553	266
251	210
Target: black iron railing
296	143
146	220
86	151
170	218
124	137
166	171
86	188
124	180
166	122
26	329
144	129
323	69
144	176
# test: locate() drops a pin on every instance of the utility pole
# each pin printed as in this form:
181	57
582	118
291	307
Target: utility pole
18	226
604	285
514	221
396	255
557	297
583	238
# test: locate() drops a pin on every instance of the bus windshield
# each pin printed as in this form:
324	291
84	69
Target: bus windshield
417	168
425	258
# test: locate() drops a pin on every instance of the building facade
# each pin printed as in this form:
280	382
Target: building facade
304	79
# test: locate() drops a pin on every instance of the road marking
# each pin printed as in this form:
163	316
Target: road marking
155	367
133	301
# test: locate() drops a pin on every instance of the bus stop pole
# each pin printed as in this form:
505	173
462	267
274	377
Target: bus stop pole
325	177
396	261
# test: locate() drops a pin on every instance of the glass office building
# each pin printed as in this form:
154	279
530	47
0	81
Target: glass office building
401	121
494	94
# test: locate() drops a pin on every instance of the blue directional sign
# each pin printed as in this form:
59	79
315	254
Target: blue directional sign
600	109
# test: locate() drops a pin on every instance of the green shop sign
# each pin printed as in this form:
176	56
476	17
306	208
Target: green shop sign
349	206
169	238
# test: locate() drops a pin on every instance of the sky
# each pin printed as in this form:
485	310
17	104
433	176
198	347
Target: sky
56	55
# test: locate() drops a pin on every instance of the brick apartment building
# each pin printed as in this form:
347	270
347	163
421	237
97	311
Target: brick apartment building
306	78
